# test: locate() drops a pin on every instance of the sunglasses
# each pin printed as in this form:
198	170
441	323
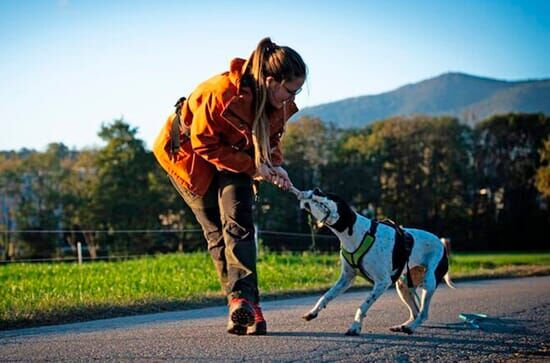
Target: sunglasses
291	92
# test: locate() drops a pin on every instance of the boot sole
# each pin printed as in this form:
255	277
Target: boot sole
237	330
257	332
259	329
243	317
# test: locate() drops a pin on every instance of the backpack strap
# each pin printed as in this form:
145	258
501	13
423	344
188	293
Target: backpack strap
175	141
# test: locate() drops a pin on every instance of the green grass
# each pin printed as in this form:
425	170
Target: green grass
499	264
471	260
36	294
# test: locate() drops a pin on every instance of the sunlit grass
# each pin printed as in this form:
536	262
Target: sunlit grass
43	293
499	264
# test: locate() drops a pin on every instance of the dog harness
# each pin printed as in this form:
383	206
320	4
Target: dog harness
354	258
402	250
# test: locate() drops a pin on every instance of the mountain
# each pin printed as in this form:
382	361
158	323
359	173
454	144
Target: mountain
469	98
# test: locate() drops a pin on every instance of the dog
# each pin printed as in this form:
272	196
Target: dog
410	258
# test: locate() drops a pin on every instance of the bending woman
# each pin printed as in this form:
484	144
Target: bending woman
229	131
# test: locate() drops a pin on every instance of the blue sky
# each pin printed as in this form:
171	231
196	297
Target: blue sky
67	66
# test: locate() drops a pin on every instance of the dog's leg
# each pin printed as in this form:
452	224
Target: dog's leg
405	294
427	293
347	276
377	290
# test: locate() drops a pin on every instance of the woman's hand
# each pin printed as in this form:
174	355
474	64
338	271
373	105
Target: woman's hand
264	172
280	178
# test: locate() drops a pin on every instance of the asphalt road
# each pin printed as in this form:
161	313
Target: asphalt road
517	329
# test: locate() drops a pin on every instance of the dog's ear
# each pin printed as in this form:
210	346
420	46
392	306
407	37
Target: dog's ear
318	192
347	216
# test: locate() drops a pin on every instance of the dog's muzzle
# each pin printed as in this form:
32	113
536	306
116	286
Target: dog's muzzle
323	220
307	194
304	197
306	201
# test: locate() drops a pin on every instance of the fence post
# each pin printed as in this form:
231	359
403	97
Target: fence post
79	252
312	247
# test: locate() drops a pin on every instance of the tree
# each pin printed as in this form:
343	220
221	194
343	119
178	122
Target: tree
542	179
120	196
355	171
418	170
39	195
507	159
10	164
308	145
78	190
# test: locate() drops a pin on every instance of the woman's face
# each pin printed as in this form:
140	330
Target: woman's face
278	93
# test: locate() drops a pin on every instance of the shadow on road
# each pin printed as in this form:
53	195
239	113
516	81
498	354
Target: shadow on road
442	337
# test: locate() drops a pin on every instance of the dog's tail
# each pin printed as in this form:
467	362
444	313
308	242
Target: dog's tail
447	277
448	281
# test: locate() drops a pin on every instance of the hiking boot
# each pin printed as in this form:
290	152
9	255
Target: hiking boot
233	328
241	316
260	326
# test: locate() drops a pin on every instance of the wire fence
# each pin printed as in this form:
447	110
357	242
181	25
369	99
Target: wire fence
108	231
191	238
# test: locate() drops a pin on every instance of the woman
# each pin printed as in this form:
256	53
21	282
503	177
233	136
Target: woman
230	131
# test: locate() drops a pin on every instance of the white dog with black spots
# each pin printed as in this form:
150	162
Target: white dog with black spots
427	263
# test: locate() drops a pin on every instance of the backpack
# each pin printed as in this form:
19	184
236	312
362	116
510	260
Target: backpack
180	130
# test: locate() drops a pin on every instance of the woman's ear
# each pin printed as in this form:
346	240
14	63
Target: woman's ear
269	81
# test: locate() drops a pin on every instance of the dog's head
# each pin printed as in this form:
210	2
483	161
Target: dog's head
328	209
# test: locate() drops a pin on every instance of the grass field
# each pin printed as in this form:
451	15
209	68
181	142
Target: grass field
38	294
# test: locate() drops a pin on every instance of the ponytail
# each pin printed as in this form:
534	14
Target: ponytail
281	63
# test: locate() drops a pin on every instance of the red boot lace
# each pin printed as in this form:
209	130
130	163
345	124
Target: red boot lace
237	300
258	316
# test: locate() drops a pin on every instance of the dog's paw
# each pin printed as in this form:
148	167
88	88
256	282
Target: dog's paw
309	316
352	332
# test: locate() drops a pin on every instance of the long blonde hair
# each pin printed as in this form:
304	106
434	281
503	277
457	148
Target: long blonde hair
281	63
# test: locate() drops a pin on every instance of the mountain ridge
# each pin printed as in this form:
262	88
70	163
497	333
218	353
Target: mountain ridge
468	97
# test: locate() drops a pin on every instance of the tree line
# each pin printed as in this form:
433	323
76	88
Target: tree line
486	187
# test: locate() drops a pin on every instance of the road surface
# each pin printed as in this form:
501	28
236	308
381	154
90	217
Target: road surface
517	329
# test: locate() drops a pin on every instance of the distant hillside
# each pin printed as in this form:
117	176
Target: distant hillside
466	97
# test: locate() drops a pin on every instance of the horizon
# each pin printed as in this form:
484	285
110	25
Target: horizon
69	67
434	77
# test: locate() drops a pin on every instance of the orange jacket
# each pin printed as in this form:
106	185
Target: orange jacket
220	116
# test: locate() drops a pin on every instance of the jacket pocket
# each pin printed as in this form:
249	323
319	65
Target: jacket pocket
184	159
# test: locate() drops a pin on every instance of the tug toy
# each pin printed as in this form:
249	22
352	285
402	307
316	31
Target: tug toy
472	319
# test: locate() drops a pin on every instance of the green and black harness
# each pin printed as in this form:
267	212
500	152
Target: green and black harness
400	256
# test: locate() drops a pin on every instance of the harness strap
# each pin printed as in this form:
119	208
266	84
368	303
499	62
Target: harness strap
354	258
404	243
409	242
175	141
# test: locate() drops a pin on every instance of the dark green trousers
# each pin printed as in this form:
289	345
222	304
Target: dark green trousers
225	215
